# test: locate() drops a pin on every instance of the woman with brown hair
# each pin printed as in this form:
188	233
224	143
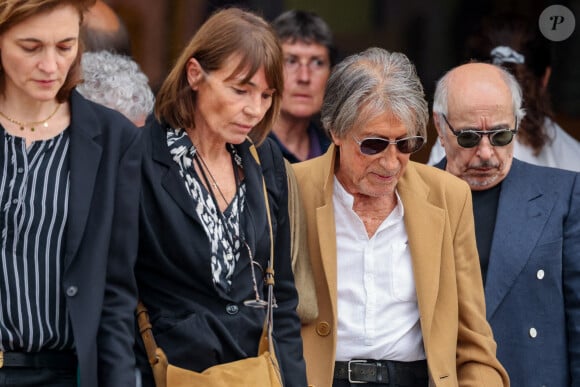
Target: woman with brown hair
69	191
204	239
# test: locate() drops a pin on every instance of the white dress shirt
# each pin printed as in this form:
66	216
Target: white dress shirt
378	316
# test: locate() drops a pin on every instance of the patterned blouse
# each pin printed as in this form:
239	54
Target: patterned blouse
223	230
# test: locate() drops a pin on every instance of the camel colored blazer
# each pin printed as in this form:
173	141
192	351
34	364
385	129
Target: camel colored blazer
457	339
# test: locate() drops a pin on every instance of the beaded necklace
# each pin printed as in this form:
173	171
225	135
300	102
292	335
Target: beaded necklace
32	124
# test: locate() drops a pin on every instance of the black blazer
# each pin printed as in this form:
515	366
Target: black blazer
195	324
101	242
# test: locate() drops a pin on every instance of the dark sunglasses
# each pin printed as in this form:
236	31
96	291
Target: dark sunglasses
469	138
373	145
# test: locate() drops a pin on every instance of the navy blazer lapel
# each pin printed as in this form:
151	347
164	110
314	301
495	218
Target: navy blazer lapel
171	180
521	203
255	209
85	156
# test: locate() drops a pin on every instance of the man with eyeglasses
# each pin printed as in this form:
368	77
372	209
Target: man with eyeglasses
391	243
527	223
309	54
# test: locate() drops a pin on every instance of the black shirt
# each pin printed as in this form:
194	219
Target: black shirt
484	213
485	205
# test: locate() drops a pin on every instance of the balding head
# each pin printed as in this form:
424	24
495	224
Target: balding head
477	97
102	17
103	29
474	80
478	83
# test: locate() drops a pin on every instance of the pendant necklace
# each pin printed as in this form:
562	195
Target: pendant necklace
32	124
214	183
221	217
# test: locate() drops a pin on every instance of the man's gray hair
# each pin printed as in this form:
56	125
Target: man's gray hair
441	97
372	82
117	82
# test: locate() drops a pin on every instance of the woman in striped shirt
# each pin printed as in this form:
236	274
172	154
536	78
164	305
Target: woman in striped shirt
69	183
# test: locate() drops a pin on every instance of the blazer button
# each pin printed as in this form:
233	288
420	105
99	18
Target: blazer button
72	291
533	333
232	309
323	328
540	274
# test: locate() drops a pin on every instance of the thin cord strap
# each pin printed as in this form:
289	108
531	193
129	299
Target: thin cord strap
269	323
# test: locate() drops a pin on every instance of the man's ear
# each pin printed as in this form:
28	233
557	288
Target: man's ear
437	123
194	73
337	141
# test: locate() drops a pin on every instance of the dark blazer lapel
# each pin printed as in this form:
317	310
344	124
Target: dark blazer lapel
85	156
521	203
171	180
255	208
424	223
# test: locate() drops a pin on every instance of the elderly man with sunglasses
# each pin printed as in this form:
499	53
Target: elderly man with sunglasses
392	243
527	223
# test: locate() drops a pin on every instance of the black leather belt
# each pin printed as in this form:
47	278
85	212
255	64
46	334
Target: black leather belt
44	359
388	372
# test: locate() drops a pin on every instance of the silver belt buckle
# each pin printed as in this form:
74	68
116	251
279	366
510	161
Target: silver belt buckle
349	371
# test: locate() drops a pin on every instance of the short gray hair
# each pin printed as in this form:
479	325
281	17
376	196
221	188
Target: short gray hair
441	97
372	82
117	82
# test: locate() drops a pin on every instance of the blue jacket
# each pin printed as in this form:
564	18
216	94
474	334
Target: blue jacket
532	290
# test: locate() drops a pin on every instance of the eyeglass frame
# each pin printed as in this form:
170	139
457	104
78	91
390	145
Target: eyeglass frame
489	133
389	142
256	302
309	63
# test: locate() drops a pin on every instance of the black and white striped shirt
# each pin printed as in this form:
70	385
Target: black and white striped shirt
34	188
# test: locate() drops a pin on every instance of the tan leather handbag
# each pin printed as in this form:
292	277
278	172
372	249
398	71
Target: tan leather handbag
261	370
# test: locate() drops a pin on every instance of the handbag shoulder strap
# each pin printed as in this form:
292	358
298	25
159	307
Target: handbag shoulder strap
254	153
145	329
266	342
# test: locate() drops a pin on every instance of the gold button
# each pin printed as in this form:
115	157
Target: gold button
323	328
